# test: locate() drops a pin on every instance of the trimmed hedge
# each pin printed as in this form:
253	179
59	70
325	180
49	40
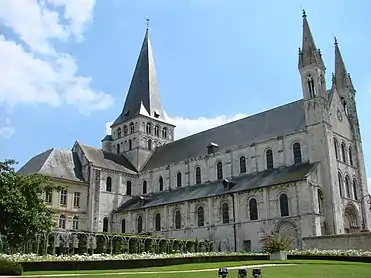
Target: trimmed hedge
10	268
130	264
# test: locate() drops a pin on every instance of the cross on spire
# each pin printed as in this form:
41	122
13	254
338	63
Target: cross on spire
147	22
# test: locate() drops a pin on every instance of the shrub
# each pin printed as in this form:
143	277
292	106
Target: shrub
10	268
273	242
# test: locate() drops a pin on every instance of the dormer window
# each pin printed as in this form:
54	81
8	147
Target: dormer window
126	113
212	148
156	115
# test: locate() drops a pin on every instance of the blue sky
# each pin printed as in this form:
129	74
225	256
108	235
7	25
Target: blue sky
66	65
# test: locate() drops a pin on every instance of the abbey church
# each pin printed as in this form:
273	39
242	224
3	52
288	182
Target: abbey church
296	169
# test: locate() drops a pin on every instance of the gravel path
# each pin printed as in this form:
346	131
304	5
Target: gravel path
145	272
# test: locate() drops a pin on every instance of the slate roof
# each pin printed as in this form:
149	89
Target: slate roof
58	163
143	90
108	160
279	121
242	183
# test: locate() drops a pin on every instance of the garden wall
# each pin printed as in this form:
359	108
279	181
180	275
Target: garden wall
336	242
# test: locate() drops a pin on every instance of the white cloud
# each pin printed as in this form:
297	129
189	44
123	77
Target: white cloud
189	126
31	69
7	130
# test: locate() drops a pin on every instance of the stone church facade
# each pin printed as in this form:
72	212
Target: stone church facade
297	168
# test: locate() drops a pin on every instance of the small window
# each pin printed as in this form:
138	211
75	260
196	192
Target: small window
284	205
253	209
242	164
63	199
296	149
158	222
75	223
149	128
347	187
340	181
343	153
178	219
62	222
128	188
157	131
350	154
161	184
131	128
200	217
130	144
336	147
219	170
139	224
144	187
164	132
149	144
118	150
225	213
109	184
125	128
320	201
179	179
119	134
123	226
269	159
355	189
198	175
105	224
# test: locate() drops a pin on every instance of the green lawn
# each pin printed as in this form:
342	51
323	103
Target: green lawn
302	269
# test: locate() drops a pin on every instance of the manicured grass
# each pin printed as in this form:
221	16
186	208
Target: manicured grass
302	269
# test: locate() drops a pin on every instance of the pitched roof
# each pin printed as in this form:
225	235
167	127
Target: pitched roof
279	121
108	160
242	183
143	90
58	163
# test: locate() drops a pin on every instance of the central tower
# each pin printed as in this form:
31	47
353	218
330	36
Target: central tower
141	127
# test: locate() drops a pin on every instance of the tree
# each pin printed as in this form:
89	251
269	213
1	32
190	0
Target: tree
23	213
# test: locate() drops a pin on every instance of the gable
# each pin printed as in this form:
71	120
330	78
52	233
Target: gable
338	118
272	123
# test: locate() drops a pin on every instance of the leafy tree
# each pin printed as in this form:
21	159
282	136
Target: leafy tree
23	213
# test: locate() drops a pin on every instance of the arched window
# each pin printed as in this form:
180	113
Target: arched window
242	164
158	222
347	186
128	188
320	201
75	223
178	219
105	224
253	209
350	154
125	128
130	144
118	148
355	189
119	135
109	184
343	153
219	170
269	159
198	175
144	187
161	184
311	88
178	179
336	147
123	226
296	149
62	222
157	130
200	217
139	224
225	213
340	181
149	128
131	128
284	205
164	132
149	144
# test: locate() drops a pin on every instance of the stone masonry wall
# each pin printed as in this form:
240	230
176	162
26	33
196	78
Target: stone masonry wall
335	242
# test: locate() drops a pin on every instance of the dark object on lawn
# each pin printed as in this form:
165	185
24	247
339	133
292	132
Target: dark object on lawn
242	272
256	272
223	272
10	268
